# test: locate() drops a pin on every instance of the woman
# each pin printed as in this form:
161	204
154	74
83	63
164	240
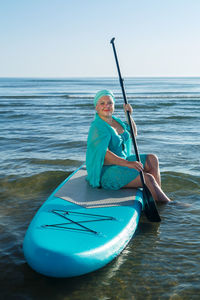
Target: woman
108	159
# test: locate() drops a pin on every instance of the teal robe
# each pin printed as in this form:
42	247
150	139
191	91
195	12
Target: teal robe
103	137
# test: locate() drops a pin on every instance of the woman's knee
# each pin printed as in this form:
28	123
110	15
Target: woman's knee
152	161
153	157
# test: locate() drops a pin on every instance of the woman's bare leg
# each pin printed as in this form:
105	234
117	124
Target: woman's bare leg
152	167
155	189
153	186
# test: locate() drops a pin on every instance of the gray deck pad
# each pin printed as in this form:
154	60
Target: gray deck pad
78	191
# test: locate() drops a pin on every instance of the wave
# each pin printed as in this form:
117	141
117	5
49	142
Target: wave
31	186
143	96
195	96
181	182
22	97
69	144
46	182
182	117
55	162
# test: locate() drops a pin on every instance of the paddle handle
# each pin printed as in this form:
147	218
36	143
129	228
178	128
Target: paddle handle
126	102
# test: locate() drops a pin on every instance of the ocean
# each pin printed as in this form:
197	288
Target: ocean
43	133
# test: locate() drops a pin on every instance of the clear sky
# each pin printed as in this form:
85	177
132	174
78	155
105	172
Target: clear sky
71	38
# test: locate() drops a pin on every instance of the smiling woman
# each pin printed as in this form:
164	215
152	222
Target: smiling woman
110	163
104	101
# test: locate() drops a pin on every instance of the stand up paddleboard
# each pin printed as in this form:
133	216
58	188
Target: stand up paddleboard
80	229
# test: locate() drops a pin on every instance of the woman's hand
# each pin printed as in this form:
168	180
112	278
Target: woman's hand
128	107
135	165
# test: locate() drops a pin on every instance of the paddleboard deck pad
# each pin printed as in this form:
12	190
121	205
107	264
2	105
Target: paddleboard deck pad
80	229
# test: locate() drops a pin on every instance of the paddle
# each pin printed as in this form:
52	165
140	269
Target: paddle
150	208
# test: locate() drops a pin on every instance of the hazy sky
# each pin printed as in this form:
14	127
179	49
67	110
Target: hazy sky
71	38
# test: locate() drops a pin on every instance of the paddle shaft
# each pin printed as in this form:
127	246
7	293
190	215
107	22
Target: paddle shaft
128	113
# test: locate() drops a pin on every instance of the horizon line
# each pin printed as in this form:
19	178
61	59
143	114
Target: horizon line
93	77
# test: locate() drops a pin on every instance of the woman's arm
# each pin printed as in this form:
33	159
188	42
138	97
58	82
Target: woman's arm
113	159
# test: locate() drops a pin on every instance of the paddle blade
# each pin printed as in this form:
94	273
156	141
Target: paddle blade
150	208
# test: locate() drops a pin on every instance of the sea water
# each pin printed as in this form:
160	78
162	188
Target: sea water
43	134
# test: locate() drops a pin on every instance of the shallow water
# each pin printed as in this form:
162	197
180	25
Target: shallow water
44	125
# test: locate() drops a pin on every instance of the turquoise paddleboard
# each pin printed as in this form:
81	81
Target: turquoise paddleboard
80	229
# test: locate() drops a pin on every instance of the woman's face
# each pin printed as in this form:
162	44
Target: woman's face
105	106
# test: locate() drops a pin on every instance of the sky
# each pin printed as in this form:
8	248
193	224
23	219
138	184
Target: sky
71	38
